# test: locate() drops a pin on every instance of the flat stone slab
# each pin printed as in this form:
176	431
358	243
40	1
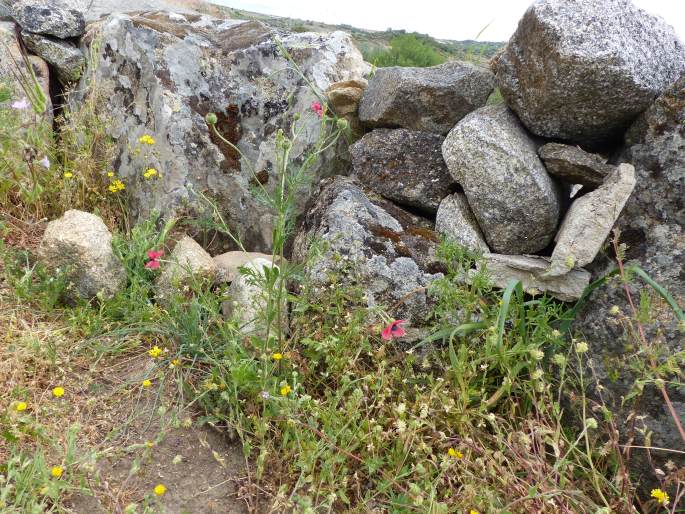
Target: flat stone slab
530	270
589	221
574	165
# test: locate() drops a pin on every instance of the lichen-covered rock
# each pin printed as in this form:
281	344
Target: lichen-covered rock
653	228
516	203
228	264
589	221
60	18
530	270
404	166
188	264
80	245
574	165
456	222
248	298
161	73
431	99
581	71
10	56
374	244
65	57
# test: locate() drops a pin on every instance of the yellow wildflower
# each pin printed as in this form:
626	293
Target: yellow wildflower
110	174
660	496
174	363
149	444
68	174
116	185
56	471
581	347
160	489
58	392
151	172
147	383
455	453
285	390
473	512
146	140
155	352
277	356
21	406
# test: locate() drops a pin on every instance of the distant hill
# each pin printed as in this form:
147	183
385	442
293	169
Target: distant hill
376	45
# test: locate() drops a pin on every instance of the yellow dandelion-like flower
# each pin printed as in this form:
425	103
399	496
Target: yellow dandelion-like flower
277	356
56	471
21	406
116	185
58	392
110	174
150	173
146	140
67	174
473	512
159	489
660	496
455	453
285	390
174	363
147	383
155	352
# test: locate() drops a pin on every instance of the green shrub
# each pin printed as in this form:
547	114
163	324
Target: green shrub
407	50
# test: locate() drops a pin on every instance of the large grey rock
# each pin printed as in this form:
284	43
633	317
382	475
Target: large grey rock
162	73
188	265
10	58
228	264
516	203
65	57
431	99
373	244
583	70
589	221
456	222
530	270
653	228
60	18
80	245
249	302
404	166
574	165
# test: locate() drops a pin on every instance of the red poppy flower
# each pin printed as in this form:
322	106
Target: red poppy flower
155	254
394	329
316	107
153	264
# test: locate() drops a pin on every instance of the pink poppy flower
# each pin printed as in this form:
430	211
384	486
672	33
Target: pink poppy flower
154	264
394	329
20	104
155	254
316	107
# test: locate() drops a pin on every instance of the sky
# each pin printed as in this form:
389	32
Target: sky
443	19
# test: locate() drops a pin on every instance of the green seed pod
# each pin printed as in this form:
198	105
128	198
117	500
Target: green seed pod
211	118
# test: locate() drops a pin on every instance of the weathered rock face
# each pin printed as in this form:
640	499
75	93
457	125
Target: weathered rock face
456	222
162	73
530	270
375	244
589	221
431	99
516	203
10	56
188	262
60	18
344	98
574	165
67	60
404	166
80	245
652	225
581	71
